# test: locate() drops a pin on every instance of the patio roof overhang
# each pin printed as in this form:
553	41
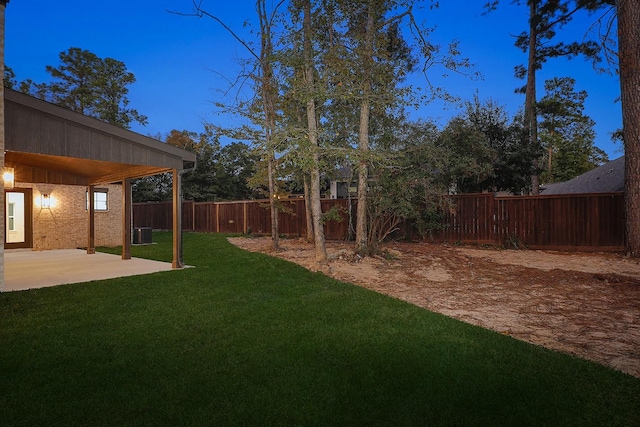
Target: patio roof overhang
47	143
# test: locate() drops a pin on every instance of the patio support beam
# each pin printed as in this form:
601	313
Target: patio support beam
126	218
177	220
91	232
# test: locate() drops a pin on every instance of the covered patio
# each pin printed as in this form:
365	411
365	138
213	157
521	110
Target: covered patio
48	144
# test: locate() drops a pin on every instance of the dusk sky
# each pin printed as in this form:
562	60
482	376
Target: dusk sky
183	64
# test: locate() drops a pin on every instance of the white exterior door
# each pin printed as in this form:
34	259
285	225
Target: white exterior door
16	219
15	231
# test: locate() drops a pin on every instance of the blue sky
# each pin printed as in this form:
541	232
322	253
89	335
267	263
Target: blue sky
182	64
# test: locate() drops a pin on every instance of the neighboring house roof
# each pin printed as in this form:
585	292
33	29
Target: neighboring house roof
48	143
603	179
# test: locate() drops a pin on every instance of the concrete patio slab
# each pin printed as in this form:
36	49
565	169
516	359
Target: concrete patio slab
26	269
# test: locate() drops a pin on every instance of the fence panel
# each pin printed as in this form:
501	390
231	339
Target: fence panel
292	220
338	229
258	217
471	221
578	221
187	215
157	215
204	217
230	217
565	222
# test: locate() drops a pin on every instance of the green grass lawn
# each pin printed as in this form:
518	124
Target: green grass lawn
246	339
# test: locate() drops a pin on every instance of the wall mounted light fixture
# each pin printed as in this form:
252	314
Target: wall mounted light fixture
8	176
46	201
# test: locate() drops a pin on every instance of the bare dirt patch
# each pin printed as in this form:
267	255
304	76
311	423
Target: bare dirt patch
587	305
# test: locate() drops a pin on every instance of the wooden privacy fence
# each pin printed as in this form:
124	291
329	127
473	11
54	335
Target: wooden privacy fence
563	222
246	217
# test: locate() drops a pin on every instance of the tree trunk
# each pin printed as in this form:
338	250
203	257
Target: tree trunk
530	114
312	125
307	209
629	57
273	201
268	102
363	177
363	140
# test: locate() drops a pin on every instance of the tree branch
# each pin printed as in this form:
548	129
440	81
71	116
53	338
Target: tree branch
199	12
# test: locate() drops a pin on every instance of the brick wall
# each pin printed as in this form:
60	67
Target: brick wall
64	225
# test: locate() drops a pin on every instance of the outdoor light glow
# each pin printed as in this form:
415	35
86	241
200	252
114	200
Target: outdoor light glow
45	201
8	177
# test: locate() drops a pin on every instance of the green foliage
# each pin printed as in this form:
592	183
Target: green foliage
350	70
486	151
10	81
88	84
156	188
566	134
222	173
540	43
406	181
336	214
431	218
548	17
247	339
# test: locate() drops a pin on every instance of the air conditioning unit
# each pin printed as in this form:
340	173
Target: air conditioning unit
142	235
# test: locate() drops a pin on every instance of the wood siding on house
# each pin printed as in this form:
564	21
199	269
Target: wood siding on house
38	127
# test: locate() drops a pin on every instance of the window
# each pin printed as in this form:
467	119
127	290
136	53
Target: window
11	217
100	199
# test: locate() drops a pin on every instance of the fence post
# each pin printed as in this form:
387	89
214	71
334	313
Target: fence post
217	217
244	215
494	220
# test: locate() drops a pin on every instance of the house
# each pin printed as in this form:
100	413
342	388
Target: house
607	178
344	184
67	178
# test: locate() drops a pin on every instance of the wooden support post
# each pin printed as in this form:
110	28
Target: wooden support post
177	221
126	218
91	231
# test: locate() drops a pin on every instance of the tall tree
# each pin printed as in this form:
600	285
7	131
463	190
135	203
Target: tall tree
269	94
566	133
266	85
312	131
374	60
88	84
629	64
546	17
